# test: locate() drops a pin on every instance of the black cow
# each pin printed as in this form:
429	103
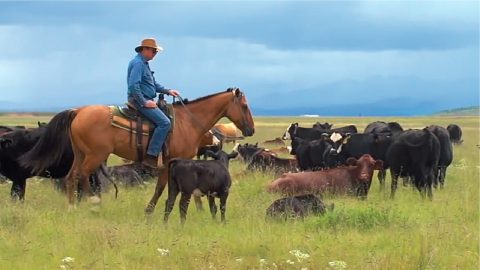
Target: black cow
392	128
247	151
305	133
297	207
357	145
446	153
314	133
203	150
312	155
199	177
132	174
16	143
325	125
414	153
258	158
343	130
455	133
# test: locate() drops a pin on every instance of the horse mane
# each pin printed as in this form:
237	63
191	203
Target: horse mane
186	101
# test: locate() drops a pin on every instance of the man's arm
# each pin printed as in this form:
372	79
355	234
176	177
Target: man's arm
161	89
134	80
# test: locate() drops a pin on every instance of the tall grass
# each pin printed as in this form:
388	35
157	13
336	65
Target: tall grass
378	233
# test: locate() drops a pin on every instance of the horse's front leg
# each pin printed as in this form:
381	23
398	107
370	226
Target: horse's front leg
161	183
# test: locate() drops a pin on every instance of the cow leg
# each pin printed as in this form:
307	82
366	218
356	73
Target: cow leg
394	183
223	205
170	202
184	201
428	184
18	189
406	181
198	202
443	174
436	176
213	207
161	183
381	178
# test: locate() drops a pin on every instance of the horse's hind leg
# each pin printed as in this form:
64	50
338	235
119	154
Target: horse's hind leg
89	165
161	183
71	180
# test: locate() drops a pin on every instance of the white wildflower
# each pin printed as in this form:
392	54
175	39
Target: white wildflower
299	255
290	262
304	268
339	265
63	267
263	261
163	252
68	260
274	265
239	259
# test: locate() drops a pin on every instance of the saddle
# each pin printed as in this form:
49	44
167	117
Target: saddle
128	118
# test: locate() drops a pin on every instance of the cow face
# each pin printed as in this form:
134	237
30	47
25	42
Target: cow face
239	113
364	172
290	132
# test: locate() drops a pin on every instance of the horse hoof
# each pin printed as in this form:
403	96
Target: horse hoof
149	210
95	199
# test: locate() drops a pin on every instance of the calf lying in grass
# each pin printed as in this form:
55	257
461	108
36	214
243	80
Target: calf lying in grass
199	177
297	207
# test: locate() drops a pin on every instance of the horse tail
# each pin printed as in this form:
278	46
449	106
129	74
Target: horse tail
52	145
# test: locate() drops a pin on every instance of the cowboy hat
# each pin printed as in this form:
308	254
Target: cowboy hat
150	43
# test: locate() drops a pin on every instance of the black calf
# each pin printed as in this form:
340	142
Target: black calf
199	177
296	207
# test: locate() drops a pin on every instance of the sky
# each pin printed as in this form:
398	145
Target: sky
394	55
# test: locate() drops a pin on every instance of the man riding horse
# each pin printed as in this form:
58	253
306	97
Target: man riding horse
142	89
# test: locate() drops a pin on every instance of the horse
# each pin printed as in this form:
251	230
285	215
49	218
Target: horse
93	138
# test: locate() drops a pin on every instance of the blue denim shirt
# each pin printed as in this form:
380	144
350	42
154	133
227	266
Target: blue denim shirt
141	83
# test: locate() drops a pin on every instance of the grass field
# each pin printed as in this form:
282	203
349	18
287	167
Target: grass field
378	233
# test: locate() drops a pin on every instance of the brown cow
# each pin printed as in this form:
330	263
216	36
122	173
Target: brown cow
354	179
228	132
208	142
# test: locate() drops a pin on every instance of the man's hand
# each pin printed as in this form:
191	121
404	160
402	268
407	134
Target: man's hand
150	104
173	92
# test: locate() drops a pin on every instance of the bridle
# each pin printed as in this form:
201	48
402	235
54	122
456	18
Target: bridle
236	100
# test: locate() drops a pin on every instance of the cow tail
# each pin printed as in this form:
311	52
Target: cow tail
171	163
52	145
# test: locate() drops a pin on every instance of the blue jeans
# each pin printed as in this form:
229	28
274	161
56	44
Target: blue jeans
162	126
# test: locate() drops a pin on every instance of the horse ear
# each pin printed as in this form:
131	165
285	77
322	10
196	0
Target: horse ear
238	93
351	161
378	165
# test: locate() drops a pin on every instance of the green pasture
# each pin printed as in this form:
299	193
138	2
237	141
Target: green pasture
378	233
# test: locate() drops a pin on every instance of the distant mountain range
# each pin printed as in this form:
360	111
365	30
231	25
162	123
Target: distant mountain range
472	110
390	107
374	96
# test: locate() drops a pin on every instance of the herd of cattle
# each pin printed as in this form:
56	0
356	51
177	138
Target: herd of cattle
326	159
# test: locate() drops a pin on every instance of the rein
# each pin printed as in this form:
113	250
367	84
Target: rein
195	119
